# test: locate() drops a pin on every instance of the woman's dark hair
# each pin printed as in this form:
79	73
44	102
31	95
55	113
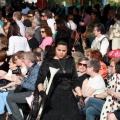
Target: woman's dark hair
47	30
117	15
64	33
96	54
3	55
117	67
13	30
50	50
3	40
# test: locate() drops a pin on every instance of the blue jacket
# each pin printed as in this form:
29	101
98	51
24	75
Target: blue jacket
30	81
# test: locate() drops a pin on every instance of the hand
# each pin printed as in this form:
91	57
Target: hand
42	94
110	91
81	101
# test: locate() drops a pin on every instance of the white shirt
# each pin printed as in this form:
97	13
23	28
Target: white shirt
97	83
50	23
17	43
103	46
71	25
22	28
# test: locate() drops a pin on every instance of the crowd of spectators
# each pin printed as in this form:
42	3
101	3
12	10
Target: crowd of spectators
73	40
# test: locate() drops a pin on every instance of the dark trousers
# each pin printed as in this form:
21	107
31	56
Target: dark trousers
13	99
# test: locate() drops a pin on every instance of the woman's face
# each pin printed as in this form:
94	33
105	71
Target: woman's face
19	61
43	33
93	16
112	67
82	66
12	65
61	51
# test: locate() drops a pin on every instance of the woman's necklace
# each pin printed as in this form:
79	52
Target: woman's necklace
62	67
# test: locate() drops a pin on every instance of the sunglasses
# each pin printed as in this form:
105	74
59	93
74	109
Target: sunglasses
73	50
80	64
42	15
42	31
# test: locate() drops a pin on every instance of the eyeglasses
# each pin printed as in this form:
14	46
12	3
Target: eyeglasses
42	31
80	64
112	66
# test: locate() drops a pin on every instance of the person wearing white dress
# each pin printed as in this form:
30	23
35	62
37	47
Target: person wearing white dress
16	41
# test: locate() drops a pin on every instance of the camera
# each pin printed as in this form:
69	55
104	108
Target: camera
17	71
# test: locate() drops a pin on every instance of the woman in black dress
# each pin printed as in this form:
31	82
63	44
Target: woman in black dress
62	103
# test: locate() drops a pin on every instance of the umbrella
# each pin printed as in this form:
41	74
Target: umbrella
114	54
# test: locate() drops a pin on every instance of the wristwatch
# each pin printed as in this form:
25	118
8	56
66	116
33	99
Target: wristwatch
95	96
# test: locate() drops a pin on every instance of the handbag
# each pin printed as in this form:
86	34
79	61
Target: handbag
4	82
19	88
106	60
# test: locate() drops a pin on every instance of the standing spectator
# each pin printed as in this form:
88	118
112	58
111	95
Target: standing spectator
46	33
16	41
26	8
101	41
47	15
114	34
17	17
110	20
89	30
36	23
71	25
32	41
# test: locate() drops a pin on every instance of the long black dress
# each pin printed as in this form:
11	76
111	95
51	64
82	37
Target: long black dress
63	104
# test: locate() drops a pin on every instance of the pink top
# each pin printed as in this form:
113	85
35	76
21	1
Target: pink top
46	41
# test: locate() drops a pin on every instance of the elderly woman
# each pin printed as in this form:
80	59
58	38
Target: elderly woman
32	41
112	103
114	33
46	33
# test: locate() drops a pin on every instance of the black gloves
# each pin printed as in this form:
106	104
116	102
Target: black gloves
81	100
42	94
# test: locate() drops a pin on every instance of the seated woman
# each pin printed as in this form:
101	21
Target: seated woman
96	54
3	71
111	108
20	71
82	74
47	35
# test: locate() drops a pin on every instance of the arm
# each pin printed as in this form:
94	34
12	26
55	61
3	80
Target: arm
112	93
89	92
101	96
84	83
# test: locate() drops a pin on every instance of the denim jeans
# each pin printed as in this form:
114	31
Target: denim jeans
93	108
13	99
3	103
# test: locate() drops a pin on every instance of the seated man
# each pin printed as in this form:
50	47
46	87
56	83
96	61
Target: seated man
26	82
